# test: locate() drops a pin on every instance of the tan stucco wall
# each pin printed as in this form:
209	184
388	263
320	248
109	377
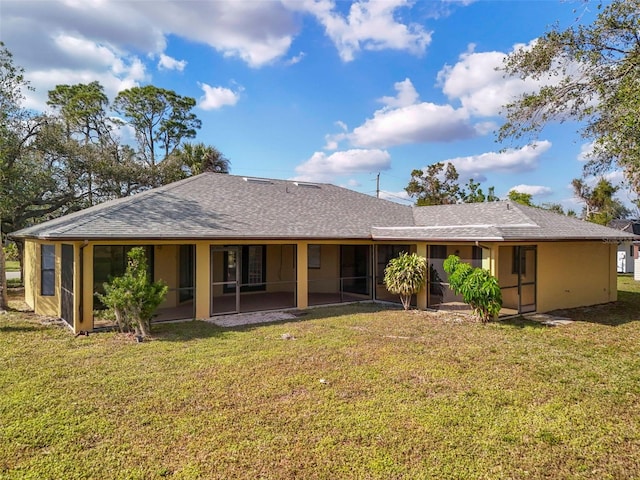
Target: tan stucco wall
569	274
281	268
203	280
574	274
165	268
326	278
31	265
42	305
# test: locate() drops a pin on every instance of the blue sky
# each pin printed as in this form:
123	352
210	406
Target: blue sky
319	90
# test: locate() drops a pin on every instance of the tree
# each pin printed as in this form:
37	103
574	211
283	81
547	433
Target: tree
161	119
521	198
474	194
594	73
15	129
406	275
437	184
478	287
4	300
40	167
11	82
600	206
133	298
557	208
82	108
196	158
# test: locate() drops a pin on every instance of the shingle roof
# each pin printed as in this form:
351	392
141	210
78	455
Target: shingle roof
498	221
213	205
219	206
631	226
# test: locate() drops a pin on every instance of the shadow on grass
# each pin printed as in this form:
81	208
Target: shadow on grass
318	313
625	310
330	311
186	331
19	328
521	322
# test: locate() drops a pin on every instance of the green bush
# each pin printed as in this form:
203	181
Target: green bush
477	286
11	252
133	298
405	275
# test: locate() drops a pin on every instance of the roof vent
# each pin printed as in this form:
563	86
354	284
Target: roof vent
264	181
306	185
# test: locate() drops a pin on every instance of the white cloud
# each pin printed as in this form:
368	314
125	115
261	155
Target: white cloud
323	168
511	160
101	39
333	139
534	190
419	123
122	76
478	82
256	32
403	120
399	197
586	149
295	59
89	53
169	63
217	97
369	25
342	125
407	95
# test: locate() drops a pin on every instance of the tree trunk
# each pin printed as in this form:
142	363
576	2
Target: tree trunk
4	301
119	319
20	247
143	327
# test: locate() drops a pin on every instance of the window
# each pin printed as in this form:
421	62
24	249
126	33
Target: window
385	254
110	261
437	275
313	252
519	265
253	266
438	252
476	257
47	270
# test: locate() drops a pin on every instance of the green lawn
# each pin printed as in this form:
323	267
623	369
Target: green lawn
12	266
358	392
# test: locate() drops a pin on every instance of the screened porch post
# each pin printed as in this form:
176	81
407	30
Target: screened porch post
203	281
86	290
421	297
302	274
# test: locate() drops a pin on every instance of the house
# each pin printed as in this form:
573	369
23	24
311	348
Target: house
227	244
628	251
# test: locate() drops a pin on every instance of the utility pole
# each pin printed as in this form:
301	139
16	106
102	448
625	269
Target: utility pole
378	185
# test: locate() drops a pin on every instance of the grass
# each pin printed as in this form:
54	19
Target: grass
357	392
12	266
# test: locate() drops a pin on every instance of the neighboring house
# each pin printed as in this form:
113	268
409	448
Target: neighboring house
227	244
628	250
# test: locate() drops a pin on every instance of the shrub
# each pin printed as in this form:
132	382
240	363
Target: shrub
405	275
133	298
477	286
11	252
